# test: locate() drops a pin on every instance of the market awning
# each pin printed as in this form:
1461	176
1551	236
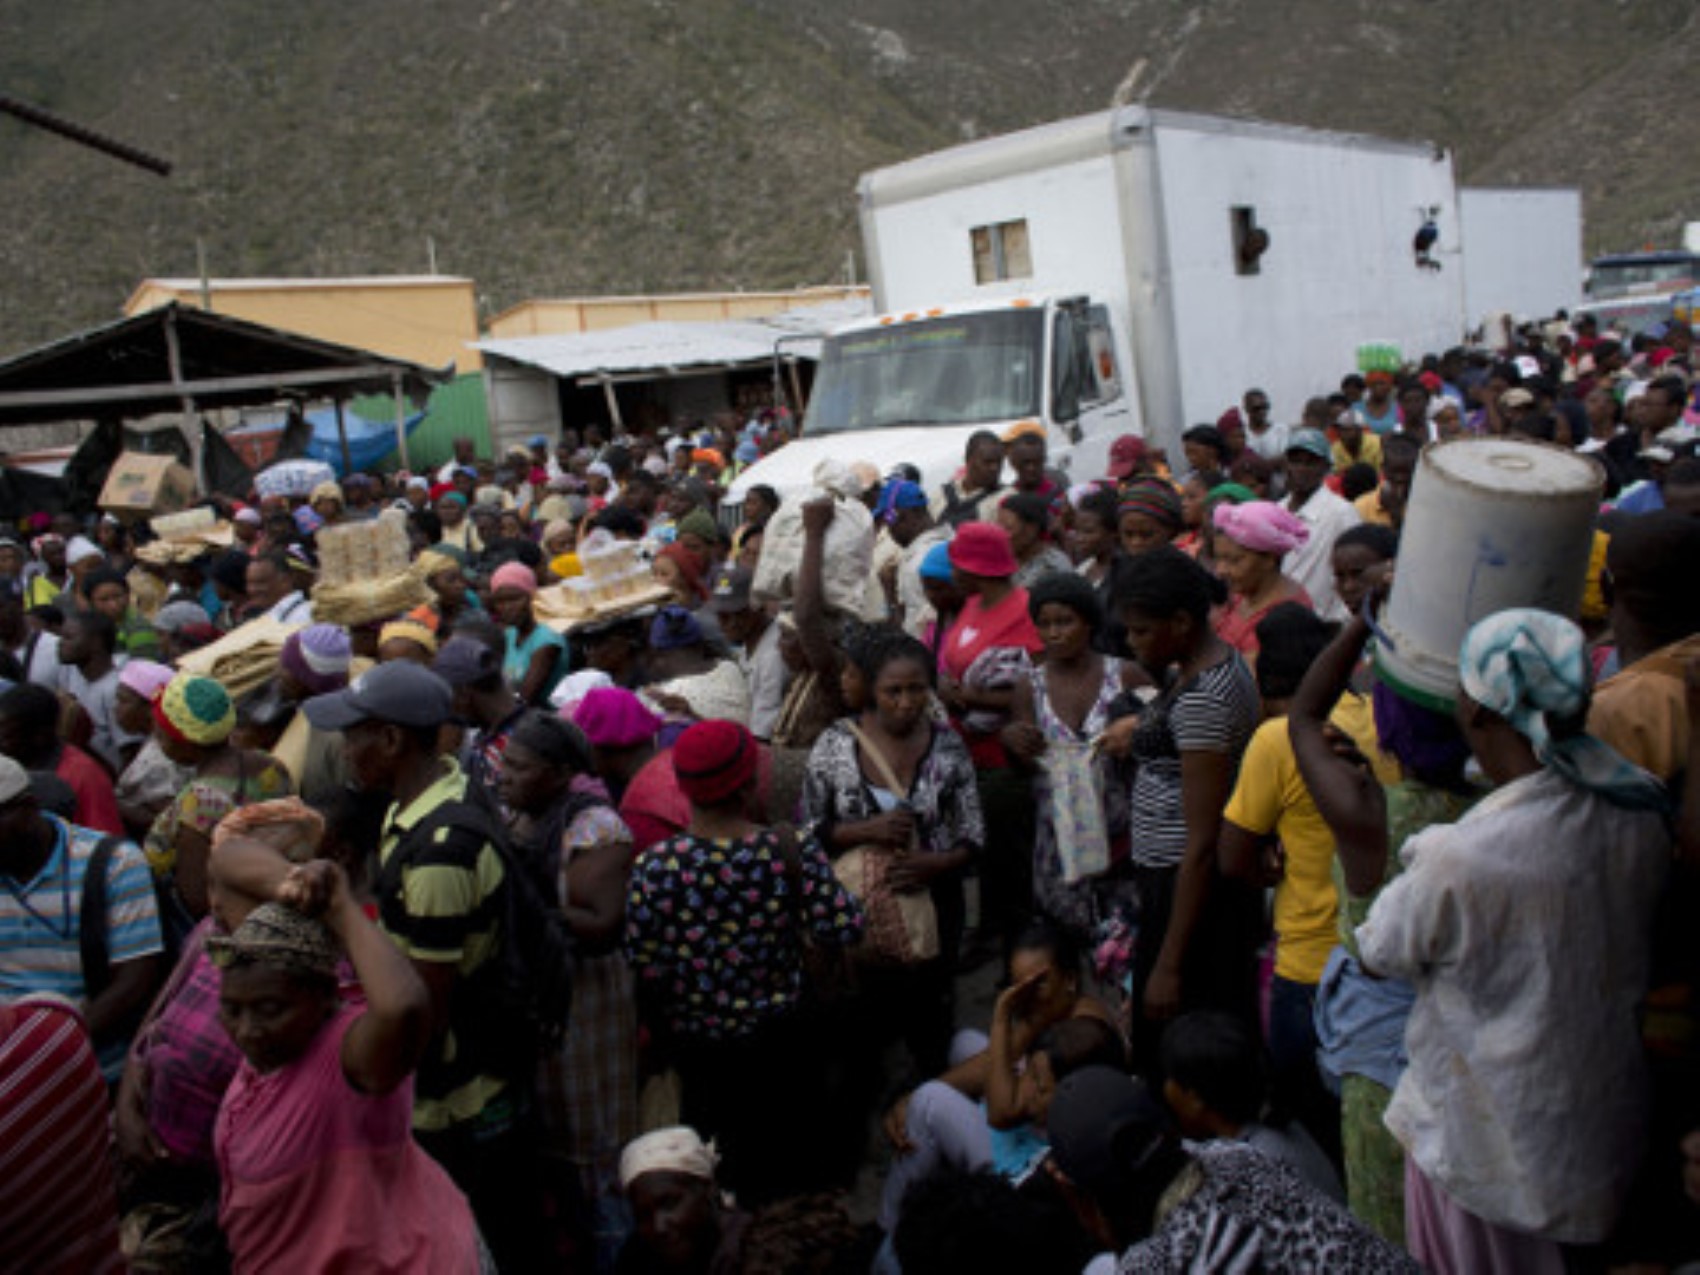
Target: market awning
176	356
678	349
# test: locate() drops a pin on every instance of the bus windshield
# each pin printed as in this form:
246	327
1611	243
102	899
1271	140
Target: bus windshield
1615	277
959	370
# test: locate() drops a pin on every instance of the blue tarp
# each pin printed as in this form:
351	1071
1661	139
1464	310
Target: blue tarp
368	441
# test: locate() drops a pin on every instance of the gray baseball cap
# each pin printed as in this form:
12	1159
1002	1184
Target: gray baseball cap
400	692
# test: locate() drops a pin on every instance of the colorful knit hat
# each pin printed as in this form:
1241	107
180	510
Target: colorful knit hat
318	657
195	710
1154	498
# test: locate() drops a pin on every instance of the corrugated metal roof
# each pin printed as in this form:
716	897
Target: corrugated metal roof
664	347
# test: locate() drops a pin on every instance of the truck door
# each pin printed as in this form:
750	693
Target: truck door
1088	402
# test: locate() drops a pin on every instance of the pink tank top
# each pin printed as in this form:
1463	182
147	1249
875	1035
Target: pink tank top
318	1176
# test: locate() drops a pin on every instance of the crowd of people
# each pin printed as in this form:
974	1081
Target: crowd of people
475	940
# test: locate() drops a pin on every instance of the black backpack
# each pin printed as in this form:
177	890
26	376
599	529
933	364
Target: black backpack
174	921
520	1001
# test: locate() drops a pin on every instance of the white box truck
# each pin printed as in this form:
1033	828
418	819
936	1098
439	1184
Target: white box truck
1132	271
1522	251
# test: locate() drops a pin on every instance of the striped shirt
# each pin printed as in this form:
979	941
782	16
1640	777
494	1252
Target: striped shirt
1215	712
41	922
59	1211
446	909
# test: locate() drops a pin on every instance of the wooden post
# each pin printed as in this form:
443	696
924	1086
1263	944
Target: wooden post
796	392
189	425
400	420
342	437
614	421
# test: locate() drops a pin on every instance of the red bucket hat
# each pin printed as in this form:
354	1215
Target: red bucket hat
982	549
713	760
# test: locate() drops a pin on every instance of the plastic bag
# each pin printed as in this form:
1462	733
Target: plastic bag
849	558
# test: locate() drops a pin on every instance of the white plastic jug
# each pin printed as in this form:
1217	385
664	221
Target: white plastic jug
1493	523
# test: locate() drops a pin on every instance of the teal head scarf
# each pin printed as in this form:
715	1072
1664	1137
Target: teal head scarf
1531	668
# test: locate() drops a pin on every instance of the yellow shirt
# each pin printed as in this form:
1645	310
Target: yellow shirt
1369	453
1370	508
1642	711
1271	799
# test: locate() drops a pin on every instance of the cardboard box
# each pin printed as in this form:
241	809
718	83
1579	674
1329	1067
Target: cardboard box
147	485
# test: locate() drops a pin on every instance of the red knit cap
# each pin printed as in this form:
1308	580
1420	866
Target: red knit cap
982	549
713	760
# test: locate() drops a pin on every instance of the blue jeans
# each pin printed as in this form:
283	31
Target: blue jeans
1299	1090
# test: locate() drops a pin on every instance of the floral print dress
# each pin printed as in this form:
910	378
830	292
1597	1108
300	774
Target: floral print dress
711	929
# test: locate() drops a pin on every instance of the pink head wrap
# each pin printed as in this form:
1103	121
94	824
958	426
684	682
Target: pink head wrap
1261	526
145	677
612	717
514	575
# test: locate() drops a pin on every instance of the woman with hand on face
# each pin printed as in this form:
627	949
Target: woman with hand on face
986	1113
315	1141
1251	540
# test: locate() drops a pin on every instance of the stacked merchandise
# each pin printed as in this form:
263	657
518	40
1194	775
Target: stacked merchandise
364	573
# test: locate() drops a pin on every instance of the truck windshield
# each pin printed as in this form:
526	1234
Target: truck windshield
960	370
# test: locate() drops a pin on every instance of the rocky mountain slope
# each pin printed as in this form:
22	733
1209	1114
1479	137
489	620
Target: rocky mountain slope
549	147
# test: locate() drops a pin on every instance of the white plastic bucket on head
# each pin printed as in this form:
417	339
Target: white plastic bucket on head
1492	523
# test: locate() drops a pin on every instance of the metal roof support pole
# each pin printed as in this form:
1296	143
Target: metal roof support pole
614	420
190	425
342	437
401	409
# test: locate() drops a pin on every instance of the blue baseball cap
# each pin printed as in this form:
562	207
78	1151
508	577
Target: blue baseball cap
899	494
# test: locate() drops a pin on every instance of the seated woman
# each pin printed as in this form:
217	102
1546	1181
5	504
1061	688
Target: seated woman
950	1122
1251	540
315	1140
